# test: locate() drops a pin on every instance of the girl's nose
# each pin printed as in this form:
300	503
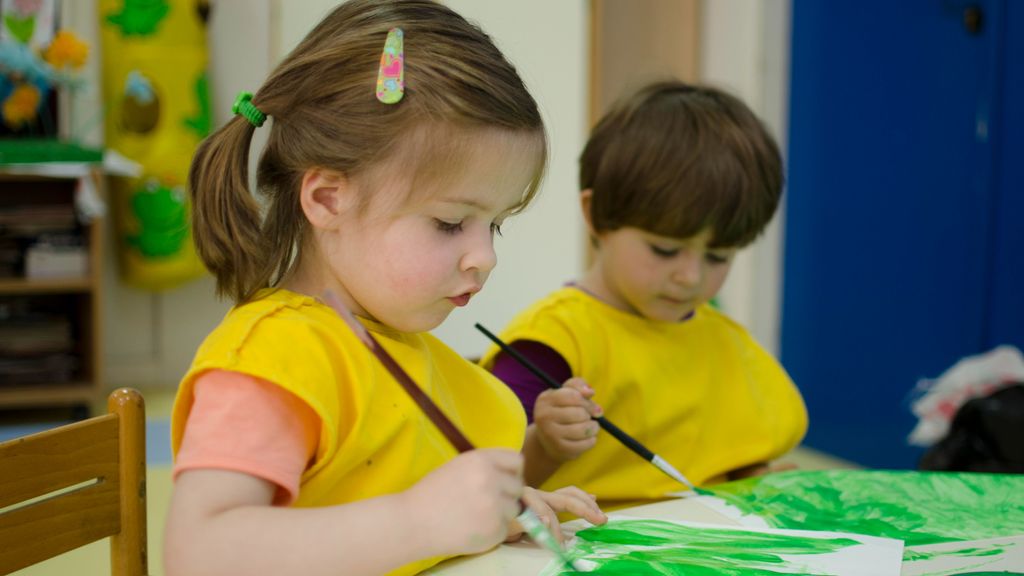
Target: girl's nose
480	255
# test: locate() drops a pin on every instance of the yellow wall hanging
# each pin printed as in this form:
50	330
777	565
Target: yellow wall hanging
158	110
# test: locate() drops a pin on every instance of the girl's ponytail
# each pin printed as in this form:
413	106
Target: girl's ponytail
226	219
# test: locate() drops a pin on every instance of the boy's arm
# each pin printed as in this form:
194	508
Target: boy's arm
539	464
526	385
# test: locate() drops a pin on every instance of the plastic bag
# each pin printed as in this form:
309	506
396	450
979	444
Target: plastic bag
987	435
972	377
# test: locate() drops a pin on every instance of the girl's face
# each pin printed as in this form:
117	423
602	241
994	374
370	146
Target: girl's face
408	265
657	277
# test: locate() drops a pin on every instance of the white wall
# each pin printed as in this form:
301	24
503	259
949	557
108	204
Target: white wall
745	49
543	247
149	338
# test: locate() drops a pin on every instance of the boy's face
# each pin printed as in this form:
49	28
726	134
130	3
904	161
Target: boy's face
657	277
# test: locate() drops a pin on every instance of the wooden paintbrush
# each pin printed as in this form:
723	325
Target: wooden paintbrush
630	442
527	518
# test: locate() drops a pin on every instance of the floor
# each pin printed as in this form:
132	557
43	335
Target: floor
93	560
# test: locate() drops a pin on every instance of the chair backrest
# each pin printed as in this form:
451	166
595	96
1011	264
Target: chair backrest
70	486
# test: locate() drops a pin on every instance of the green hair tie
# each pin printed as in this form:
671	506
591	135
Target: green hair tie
243	105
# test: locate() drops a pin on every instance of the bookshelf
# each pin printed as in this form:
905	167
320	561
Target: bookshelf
49	295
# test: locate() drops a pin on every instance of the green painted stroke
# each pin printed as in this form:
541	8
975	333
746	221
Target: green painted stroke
911	555
916	507
655	547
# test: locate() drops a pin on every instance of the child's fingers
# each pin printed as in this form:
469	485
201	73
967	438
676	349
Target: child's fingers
537	501
506	461
564	416
515	530
580	385
586	392
510	487
585	430
573	500
563	397
567	398
573	449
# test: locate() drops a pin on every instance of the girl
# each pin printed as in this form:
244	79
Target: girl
296	452
675	179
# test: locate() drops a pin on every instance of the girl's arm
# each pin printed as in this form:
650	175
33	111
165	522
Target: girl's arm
222	522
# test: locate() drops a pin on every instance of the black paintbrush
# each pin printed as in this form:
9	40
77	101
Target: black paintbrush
630	442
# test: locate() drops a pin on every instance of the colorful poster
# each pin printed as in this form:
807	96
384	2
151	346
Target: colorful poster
37	61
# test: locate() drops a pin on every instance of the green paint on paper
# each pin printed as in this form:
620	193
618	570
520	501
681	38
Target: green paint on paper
916	507
911	555
654	547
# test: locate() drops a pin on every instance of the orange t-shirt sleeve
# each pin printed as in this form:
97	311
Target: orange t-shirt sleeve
245	424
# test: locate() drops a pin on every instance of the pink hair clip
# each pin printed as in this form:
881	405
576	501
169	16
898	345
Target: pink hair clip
391	77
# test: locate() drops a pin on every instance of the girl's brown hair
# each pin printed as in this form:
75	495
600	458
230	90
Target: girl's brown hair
324	112
675	159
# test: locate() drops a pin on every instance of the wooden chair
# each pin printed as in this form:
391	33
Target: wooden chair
70	486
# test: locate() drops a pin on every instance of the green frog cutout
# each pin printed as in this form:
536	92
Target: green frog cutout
163	220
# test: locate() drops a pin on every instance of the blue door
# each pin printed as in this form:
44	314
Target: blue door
904	248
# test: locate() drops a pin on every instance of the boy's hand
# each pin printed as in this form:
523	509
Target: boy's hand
563	418
466	505
547	505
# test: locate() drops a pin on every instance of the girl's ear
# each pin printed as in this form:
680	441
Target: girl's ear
326	196
586	197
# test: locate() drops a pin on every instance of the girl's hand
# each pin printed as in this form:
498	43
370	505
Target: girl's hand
466	505
563	418
547	505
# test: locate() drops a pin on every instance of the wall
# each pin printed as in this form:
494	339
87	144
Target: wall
745	49
543	247
641	41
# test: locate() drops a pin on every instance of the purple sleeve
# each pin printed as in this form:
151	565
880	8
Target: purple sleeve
527	386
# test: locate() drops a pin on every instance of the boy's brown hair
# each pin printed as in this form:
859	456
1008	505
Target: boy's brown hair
676	159
324	113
